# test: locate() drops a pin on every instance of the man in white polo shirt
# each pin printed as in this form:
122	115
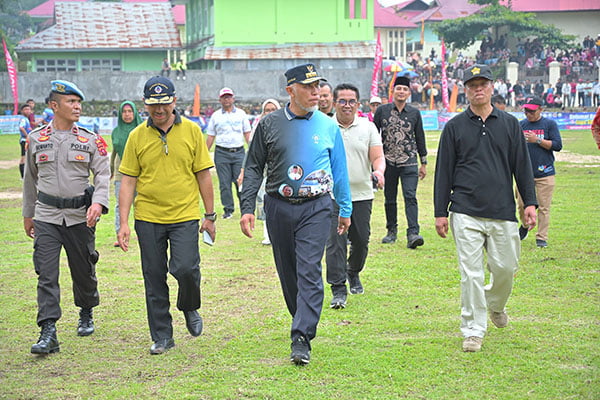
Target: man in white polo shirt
228	128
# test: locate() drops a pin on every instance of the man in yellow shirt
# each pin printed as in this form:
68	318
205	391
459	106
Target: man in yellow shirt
167	163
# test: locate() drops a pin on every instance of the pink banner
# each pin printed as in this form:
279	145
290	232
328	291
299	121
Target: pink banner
12	77
351	7
444	78
376	67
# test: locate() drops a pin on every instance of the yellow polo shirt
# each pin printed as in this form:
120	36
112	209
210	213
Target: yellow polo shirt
167	189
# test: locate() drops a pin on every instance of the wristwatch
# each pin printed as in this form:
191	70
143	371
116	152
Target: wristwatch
538	141
211	216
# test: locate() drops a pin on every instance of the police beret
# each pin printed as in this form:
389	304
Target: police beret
66	87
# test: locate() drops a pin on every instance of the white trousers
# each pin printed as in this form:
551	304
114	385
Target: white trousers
500	239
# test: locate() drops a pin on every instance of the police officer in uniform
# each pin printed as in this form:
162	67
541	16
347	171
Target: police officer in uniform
61	209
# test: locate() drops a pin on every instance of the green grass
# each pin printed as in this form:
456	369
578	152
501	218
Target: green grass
400	340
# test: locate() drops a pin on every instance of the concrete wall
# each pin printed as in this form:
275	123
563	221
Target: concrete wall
249	86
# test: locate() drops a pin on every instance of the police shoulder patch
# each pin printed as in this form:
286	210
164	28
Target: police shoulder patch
101	144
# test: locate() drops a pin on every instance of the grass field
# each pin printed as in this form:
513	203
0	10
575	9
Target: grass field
400	340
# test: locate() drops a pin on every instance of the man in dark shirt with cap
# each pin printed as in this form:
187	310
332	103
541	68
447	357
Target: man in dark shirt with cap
543	139
481	150
403	138
304	154
61	209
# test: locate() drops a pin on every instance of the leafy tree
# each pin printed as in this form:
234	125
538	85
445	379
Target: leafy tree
15	23
463	32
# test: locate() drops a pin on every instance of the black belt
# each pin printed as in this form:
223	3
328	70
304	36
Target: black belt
231	149
298	200
60	202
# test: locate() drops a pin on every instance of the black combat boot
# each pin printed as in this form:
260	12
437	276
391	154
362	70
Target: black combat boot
85	327
48	342
390	237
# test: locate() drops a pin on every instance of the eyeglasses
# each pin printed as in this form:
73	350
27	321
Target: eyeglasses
343	102
528	111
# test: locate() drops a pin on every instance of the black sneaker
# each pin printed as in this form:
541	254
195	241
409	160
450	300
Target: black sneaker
300	351
227	215
541	243
523	231
338	301
356	286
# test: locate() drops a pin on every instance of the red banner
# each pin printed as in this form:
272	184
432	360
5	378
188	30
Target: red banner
12	77
376	67
444	78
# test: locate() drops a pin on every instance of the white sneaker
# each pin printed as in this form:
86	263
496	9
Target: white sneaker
266	242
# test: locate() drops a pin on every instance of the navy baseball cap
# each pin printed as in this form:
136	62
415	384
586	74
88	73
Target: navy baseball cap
159	90
66	87
304	74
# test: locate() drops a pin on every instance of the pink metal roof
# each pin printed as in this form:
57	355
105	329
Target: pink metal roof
293	51
553	5
387	17
449	9
46	9
108	26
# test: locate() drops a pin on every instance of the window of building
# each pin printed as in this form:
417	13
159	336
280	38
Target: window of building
101	65
56	65
355	9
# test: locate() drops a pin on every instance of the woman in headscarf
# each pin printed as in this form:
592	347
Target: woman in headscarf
268	106
127	120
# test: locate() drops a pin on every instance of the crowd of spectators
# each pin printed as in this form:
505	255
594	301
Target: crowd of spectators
578	87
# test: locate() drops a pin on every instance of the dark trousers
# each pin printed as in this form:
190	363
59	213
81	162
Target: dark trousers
183	264
409	178
358	234
298	233
79	243
228	166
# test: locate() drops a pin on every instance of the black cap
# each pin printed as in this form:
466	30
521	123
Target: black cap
402	80
533	103
159	90
304	74
478	71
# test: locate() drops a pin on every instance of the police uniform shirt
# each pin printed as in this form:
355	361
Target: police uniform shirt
305	157
59	163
